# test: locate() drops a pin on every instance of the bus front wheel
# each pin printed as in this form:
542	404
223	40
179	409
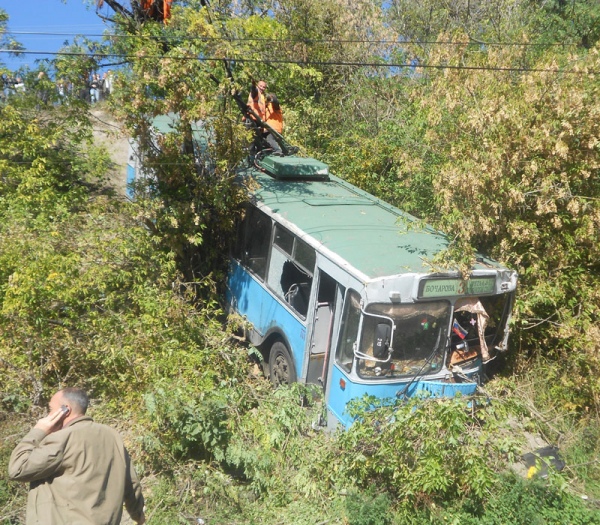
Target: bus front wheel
281	365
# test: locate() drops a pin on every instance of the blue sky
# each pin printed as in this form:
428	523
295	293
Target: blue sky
47	16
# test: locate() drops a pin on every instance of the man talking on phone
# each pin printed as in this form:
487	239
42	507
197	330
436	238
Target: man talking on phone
79	471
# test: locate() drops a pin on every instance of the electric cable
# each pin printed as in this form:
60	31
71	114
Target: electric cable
302	40
307	62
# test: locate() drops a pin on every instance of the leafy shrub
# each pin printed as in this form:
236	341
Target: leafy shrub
188	422
427	450
527	502
271	443
368	508
12	495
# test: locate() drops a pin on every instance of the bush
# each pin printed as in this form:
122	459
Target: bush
527	502
427	451
368	508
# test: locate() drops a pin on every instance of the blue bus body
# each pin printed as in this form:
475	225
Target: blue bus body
256	304
337	290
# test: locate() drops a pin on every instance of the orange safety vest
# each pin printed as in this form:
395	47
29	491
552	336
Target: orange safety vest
274	118
257	104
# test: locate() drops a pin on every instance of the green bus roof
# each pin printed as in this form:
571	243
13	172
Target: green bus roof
169	123
374	237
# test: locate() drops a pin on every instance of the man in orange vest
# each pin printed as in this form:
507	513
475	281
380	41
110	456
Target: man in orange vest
256	103
274	118
256	98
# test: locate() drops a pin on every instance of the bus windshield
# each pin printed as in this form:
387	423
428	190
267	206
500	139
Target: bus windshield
418	344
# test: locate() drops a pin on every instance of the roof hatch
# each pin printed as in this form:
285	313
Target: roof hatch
293	167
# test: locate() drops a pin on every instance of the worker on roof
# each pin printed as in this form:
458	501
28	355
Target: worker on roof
256	107
274	119
256	98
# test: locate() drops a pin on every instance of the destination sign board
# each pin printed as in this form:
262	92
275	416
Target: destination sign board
449	287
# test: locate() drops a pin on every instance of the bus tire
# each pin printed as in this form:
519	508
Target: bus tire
281	365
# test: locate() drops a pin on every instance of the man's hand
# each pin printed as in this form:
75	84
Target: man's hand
52	422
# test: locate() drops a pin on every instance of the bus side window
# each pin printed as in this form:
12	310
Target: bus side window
257	242
290	269
296	285
304	255
289	281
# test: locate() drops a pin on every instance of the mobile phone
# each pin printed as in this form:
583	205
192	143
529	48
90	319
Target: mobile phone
65	410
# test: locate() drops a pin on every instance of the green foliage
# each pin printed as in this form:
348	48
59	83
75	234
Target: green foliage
368	508
386	165
41	169
66	281
574	23
522	502
192	201
75	64
582	453
259	438
266	443
189	423
543	400
425	20
12	495
428	450
87	295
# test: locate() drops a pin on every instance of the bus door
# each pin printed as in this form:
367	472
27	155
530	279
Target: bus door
320	342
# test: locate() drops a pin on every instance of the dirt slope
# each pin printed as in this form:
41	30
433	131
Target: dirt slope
109	133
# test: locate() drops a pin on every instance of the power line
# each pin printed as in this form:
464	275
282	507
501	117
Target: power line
304	62
302	40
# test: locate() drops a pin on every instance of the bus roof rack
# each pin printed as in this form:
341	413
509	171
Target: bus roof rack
292	167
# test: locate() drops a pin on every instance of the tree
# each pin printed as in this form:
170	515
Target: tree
87	296
576	22
6	41
519	179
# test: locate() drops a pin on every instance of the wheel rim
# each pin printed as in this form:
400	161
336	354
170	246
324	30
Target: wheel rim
281	370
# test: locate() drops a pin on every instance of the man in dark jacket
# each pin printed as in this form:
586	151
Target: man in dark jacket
79	471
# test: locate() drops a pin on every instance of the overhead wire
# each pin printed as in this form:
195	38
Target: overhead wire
302	40
306	62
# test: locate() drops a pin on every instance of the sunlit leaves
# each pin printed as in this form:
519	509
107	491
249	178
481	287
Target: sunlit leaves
518	182
427	449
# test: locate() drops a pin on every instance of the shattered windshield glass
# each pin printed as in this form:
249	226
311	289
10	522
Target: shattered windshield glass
478	326
418	343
